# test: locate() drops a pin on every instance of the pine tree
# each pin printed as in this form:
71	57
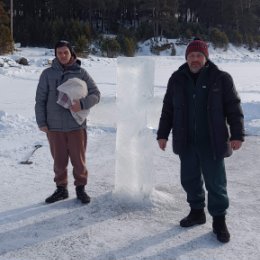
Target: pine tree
6	41
160	13
35	20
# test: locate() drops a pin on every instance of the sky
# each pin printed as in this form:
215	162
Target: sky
114	226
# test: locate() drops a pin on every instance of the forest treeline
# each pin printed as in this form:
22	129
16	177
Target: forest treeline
43	22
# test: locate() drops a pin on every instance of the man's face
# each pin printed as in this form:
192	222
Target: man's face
196	61
63	55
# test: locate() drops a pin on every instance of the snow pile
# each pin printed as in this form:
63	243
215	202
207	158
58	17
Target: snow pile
16	123
232	54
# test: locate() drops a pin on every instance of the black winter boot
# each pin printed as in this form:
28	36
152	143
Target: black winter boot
60	193
220	229
82	195
195	217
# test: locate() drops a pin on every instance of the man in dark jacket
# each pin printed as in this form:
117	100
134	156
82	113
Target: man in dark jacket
67	138
202	108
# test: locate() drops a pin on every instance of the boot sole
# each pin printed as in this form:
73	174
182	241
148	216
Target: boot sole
49	202
194	223
222	240
84	202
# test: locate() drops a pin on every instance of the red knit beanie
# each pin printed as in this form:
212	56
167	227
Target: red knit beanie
197	45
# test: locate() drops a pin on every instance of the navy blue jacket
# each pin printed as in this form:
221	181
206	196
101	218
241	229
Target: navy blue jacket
225	116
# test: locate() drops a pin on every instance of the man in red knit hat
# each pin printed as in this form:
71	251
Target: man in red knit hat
202	109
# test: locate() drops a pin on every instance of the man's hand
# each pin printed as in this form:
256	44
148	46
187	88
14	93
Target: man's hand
162	143
75	107
44	129
235	144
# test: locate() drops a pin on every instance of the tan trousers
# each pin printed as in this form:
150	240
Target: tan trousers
69	145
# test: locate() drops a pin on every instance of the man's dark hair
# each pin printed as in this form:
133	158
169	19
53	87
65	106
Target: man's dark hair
63	43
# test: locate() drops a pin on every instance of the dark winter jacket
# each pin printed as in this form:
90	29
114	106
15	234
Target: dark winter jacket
224	113
48	112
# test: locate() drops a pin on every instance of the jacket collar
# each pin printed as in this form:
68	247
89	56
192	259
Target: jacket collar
209	64
74	66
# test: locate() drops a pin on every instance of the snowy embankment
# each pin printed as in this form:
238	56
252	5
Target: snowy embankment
107	228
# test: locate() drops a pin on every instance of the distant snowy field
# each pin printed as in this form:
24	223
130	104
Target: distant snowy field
107	228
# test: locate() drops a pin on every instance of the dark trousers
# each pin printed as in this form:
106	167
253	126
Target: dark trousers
69	145
199	166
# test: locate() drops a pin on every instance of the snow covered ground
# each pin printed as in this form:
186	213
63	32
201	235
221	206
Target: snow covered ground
109	228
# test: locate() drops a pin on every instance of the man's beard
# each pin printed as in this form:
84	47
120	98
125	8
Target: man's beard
197	68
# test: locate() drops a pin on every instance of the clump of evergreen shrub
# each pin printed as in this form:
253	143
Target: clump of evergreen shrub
218	38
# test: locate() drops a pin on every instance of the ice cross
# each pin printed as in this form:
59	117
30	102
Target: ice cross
134	171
